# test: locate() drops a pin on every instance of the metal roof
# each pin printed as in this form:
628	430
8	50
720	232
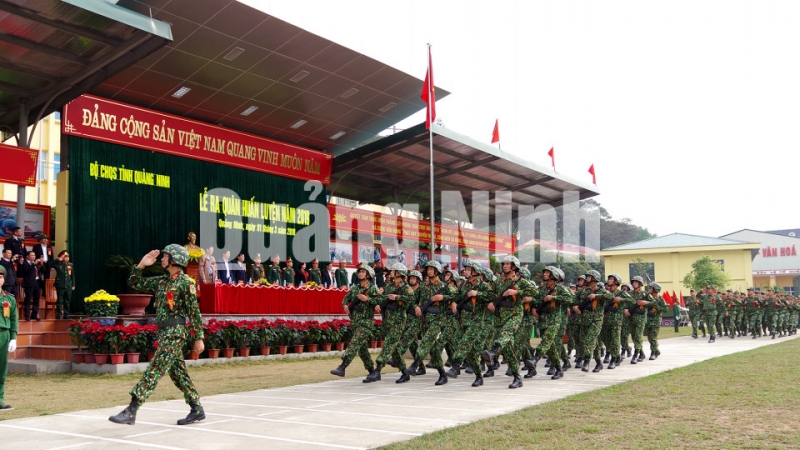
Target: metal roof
675	240
52	51
298	87
400	162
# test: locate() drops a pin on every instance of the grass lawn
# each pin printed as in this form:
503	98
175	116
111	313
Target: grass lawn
36	395
746	400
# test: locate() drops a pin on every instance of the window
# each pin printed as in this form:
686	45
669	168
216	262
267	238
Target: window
56	165
645	270
42	168
57	115
789	290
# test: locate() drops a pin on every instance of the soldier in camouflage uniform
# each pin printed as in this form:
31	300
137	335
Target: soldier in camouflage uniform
720	313
525	351
655	310
474	295
771	313
398	295
509	291
709	303
756	313
747	309
638	317
451	328
411	330
554	300
64	283
9	326
589	307
433	297
490	325
574	322
175	302
695	312
360	303
612	320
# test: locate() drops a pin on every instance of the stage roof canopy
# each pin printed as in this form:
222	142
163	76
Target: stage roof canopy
401	163
233	65
52	51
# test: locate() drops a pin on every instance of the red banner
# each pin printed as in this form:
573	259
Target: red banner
19	165
120	123
377	224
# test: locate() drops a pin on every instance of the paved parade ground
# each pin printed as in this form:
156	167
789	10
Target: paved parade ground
341	413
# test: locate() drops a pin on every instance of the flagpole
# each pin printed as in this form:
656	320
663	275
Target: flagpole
430	138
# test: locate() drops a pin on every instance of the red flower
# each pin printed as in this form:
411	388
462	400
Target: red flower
6	305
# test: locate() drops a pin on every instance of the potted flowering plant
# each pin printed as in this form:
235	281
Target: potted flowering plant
213	339
284	335
327	336
101	304
312	335
230	336
265	336
117	341
246	337
137	338
78	339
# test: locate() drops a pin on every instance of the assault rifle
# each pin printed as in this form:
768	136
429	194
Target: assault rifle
386	303
546	307
355	305
429	303
500	297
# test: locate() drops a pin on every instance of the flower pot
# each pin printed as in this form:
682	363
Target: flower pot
133	358
89	358
339	346
298	349
117	358
134	304
264	351
192	354
213	353
244	352
282	349
326	346
151	355
105	321
311	348
373	344
79	358
101	358
380	344
227	352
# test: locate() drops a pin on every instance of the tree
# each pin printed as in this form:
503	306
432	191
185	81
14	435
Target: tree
706	272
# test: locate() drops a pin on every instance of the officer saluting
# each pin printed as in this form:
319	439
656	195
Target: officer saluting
175	302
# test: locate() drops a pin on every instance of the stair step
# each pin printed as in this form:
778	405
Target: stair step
51	352
35	366
34	326
43	338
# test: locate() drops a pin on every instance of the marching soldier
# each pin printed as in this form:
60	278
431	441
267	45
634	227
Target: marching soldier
638	317
411	329
398	294
612	320
9	325
655	310
695	312
64	283
554	300
360	304
709	303
523	338
590	309
175	302
574	323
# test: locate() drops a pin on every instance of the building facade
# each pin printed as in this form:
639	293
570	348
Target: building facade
777	262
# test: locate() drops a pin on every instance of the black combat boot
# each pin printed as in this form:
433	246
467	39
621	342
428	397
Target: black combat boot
530	364
598	366
557	374
712	338
517	383
552	370
635	356
652	356
429	365
442	378
478	380
731	335
339	371
547	363
454	371
195	415
464	365
704	331
469	370
531	373
488	356
448	363
508	372
613	362
658	353
772	333
725	333
566	365
412	369
489	373
391	363
603	351
128	415
496	363
641	355
585	364
375	375
607	358
754	335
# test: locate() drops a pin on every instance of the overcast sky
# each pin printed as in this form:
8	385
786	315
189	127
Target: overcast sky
688	109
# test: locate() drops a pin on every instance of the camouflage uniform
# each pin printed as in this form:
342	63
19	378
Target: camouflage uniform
552	315
509	317
655	309
695	313
574	325
362	321
432	343
524	349
709	304
756	315
771	315
394	319
474	316
175	300
720	302
64	284
638	321
747	312
287	276
612	322
9	325
591	321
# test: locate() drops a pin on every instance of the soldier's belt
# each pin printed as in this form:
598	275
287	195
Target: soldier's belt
170	322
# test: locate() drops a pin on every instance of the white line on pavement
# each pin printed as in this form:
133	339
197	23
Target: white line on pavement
88	436
147	434
389	404
69	446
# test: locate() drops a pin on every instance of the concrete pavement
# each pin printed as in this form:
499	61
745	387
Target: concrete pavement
341	413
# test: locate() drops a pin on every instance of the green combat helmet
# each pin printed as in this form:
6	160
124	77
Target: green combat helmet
639	279
656	287
415	273
435	265
370	271
513	260
454	275
489	275
178	253
475	266
555	272
628	285
399	268
594	274
616	277
525	273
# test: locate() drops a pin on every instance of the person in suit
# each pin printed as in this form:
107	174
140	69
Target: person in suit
9	262
224	268
31	280
16	243
207	267
44	253
239	269
328	276
256	271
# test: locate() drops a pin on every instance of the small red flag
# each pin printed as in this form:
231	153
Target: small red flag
428	95
594	178
552	155
496	132
667	299
683	302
